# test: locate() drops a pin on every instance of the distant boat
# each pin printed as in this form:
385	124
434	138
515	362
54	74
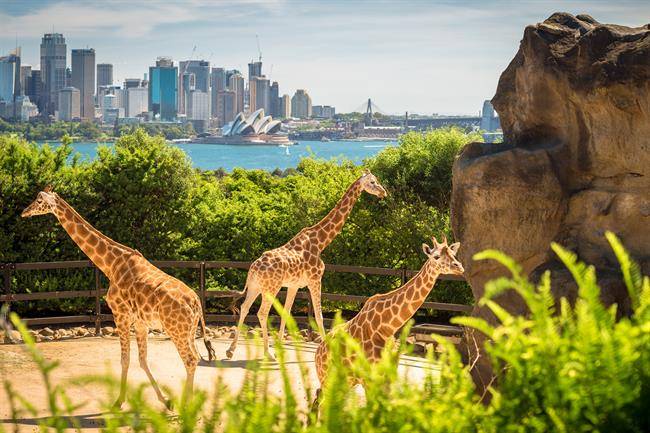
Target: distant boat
325	139
181	140
286	148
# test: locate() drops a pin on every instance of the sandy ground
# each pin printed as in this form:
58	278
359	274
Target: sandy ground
99	355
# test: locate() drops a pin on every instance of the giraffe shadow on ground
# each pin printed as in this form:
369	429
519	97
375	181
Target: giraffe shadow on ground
87	421
260	364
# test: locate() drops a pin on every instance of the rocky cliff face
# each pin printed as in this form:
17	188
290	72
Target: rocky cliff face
574	105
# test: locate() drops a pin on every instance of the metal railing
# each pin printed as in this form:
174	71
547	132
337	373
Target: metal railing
8	269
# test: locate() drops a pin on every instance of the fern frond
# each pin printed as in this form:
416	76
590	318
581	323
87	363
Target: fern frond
630	269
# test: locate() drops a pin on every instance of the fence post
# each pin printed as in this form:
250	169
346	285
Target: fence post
403	275
98	312
6	271
202	287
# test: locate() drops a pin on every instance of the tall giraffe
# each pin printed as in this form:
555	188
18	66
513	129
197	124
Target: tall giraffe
384	314
139	293
298	264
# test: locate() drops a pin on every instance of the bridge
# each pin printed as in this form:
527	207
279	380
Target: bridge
487	122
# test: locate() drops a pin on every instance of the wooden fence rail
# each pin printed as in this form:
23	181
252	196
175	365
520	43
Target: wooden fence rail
8	269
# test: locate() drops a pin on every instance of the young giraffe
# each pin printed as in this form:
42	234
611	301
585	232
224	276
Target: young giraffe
139	293
298	264
384	314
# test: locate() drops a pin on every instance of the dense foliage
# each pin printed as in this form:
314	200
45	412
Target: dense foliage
41	131
562	368
144	193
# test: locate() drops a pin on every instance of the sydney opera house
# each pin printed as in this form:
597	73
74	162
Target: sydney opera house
256	128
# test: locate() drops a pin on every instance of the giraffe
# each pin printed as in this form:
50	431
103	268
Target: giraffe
298	264
139	293
384	314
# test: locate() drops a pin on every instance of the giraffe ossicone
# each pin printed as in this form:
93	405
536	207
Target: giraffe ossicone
139	293
384	314
298	264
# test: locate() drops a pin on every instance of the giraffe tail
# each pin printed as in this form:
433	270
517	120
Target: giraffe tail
235	297
208	343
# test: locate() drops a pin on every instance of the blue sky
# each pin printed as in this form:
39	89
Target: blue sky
420	56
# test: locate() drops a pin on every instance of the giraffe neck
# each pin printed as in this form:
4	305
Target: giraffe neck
100	249
332	224
410	297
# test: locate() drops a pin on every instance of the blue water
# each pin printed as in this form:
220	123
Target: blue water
214	156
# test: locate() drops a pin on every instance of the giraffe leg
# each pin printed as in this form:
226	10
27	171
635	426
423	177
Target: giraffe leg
314	291
123	324
263	315
288	303
251	295
141	338
184	342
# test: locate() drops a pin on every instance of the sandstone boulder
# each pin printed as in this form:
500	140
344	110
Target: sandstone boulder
574	105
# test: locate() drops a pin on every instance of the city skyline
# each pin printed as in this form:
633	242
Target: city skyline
442	57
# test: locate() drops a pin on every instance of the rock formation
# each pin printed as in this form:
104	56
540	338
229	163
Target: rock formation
574	106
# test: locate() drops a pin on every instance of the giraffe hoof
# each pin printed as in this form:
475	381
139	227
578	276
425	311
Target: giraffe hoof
269	357
169	405
117	405
229	354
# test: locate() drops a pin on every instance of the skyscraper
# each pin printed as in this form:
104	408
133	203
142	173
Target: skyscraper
201	71
25	73
254	70
53	73
137	101
274	99
8	84
285	107
69	104
227	99
301	105
83	79
236	84
104	76
163	90
259	94
34	88
218	85
10	87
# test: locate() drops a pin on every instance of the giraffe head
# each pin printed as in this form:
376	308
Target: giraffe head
444	256
371	185
45	203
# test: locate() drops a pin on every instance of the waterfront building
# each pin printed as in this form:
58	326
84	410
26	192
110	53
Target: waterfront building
285	107
24	109
53	69
259	94
275	100
218	82
199	109
301	105
83	79
163	90
193	75
227	109
323	111
104	76
69	104
136	101
236	83
112	106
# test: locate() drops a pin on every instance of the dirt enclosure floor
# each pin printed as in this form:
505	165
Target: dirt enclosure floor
101	355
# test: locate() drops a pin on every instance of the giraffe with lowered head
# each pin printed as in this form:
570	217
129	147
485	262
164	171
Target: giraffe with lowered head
298	264
384	314
139	293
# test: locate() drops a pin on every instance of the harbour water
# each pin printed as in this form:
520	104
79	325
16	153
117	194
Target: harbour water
214	156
